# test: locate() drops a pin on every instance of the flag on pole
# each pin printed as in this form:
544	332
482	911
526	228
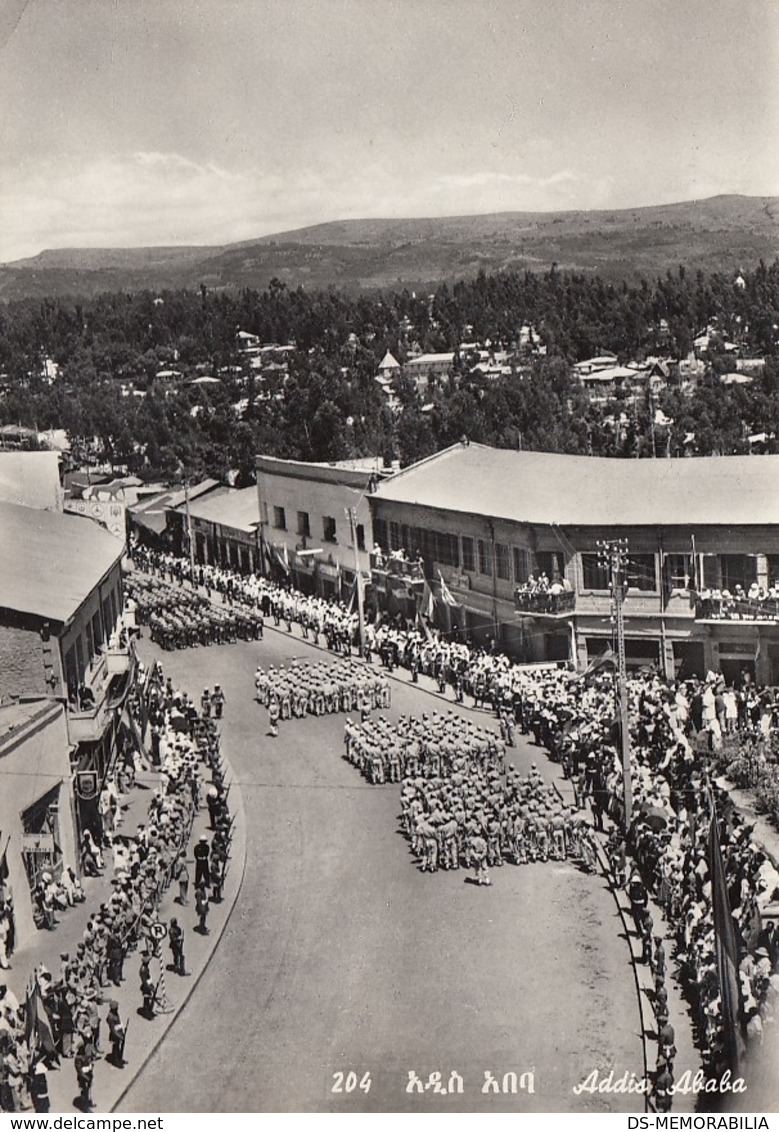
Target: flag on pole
282	560
37	1027
429	601
725	948
4	862
446	594
421	624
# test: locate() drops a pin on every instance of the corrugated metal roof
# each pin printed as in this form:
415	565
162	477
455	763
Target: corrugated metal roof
547	488
50	563
237	507
31	479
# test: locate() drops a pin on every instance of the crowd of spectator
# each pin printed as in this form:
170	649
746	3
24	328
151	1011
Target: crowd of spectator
60	1018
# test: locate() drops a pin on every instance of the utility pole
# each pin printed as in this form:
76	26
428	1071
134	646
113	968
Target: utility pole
352	514
190	540
613	555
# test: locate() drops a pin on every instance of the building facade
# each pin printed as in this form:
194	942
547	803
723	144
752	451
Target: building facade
306	529
61	603
37	820
515	538
224	529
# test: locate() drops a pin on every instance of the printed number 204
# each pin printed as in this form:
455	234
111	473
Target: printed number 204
348	1082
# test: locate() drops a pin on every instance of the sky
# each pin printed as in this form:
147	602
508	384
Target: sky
151	122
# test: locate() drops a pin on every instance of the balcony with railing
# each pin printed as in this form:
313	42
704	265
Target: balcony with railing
101	692
544	603
388	570
721	605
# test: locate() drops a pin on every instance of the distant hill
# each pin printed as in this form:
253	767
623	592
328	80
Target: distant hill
721	233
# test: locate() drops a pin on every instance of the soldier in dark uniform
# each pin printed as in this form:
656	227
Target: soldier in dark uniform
218	700
39	1087
85	1067
116	1033
202	869
201	907
176	937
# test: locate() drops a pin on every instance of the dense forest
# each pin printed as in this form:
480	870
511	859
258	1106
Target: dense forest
326	404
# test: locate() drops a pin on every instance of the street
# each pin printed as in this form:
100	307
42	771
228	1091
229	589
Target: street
341	957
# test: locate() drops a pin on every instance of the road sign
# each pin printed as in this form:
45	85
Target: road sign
158	931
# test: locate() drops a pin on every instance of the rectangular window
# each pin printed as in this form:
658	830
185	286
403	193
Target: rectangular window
502	561
468	559
485	557
79	659
328	528
772	564
394	537
436	546
304	524
550	564
594	575
71	673
360	537
678	572
90	642
711	574
380	534
738	570
97	632
279	518
642	574
521	565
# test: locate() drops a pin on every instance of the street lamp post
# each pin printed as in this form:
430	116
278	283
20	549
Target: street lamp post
190	540
613	556
352	516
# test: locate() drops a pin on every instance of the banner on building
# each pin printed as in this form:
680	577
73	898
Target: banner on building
87	785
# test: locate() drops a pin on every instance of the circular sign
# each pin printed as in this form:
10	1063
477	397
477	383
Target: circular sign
87	784
158	931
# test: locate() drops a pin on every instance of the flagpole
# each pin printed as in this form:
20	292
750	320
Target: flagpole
357	577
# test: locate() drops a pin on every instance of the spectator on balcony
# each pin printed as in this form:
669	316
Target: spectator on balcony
378	558
86	698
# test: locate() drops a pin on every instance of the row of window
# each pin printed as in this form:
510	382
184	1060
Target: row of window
303	527
511	563
514	563
87	645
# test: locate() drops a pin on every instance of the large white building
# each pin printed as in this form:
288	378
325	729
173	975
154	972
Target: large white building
701	533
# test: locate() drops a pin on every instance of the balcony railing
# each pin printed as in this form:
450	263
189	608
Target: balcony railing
397	567
103	689
720	608
544	602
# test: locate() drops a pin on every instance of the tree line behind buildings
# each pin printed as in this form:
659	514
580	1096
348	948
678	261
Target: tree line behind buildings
160	383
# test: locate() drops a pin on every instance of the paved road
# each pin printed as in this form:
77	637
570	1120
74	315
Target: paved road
340	956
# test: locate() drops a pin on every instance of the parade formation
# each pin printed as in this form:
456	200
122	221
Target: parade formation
462	806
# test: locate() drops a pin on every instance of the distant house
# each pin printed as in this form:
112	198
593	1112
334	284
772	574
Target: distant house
148	519
248	342
606	381
735	378
428	366
593	365
389	366
755	366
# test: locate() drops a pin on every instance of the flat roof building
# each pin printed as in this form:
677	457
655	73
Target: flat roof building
61	603
306	529
503	527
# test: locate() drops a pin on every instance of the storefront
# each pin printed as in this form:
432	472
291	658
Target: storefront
41	838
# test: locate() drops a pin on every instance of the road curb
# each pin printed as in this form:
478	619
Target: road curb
228	905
